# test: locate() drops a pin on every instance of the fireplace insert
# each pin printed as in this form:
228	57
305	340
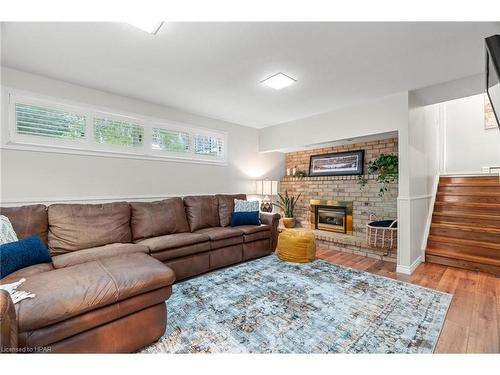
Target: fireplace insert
331	215
332	218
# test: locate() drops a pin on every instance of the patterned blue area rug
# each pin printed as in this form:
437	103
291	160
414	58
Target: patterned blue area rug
270	306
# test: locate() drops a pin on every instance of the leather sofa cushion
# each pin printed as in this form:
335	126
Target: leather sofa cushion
28	220
225	242
226	206
183	251
68	292
94	253
82	226
172	241
26	272
255	232
249	229
151	219
201	211
220	233
59	331
257	236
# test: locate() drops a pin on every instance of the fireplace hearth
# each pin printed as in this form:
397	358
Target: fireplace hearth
332	216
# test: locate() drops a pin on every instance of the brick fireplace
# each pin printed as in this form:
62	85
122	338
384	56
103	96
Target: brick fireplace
342	191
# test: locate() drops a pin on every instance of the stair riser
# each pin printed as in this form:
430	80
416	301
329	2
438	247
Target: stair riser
468	198
463	249
469	189
495	270
467	235
458	219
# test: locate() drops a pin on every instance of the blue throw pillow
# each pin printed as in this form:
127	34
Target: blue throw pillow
26	252
245	218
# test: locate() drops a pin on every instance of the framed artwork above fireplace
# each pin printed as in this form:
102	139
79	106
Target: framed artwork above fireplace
347	163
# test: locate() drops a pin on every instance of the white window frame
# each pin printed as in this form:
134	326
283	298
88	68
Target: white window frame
11	139
28	139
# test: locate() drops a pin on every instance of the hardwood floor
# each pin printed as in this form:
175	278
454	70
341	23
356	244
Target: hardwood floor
473	321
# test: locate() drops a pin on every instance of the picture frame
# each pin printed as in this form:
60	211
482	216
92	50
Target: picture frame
492	76
348	163
490	121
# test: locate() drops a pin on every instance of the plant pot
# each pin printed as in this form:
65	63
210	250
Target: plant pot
289	222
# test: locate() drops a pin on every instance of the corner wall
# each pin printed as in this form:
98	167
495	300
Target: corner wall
419	168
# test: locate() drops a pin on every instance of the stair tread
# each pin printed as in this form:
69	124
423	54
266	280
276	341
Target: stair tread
471	258
491	177
471	228
469	193
470	183
468	204
469	215
462	241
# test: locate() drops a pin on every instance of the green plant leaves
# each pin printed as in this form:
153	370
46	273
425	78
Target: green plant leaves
386	169
287	203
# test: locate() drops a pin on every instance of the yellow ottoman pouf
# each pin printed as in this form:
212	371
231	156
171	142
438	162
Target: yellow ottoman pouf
296	246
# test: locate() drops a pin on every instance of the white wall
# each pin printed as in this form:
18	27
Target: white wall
377	116
28	176
420	168
469	146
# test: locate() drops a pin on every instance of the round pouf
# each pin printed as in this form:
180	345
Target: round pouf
296	246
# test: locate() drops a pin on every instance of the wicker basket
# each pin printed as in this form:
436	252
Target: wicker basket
381	237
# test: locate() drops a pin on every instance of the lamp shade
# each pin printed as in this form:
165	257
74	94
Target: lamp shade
266	187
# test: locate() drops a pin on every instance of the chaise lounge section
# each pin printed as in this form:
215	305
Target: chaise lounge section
109	297
113	266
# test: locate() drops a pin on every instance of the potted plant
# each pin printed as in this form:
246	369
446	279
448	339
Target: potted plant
386	169
287	204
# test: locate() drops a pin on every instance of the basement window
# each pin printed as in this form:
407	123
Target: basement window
208	145
170	140
120	133
46	124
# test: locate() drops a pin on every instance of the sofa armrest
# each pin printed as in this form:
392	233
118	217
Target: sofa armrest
8	323
272	220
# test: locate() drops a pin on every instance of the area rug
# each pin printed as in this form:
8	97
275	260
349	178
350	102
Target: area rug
270	306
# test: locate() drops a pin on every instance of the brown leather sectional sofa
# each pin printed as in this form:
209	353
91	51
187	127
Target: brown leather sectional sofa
113	266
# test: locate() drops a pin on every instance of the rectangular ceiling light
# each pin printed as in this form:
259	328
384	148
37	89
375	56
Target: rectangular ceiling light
278	81
151	27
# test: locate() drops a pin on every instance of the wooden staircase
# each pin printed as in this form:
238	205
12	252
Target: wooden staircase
465	229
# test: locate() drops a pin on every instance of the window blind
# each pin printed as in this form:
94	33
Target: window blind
113	132
208	145
170	140
45	122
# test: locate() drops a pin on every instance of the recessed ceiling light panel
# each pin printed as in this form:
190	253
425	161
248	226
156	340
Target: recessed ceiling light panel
278	81
151	27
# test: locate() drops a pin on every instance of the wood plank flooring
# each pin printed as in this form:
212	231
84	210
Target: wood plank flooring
473	321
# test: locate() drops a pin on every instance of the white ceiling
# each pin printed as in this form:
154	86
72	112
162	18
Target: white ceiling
214	69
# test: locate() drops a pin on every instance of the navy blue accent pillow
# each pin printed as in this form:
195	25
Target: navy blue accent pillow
245	218
23	253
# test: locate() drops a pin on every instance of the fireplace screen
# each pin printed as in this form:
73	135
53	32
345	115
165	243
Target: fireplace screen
331	218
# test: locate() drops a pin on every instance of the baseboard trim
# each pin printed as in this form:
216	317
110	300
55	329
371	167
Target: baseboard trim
409	270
